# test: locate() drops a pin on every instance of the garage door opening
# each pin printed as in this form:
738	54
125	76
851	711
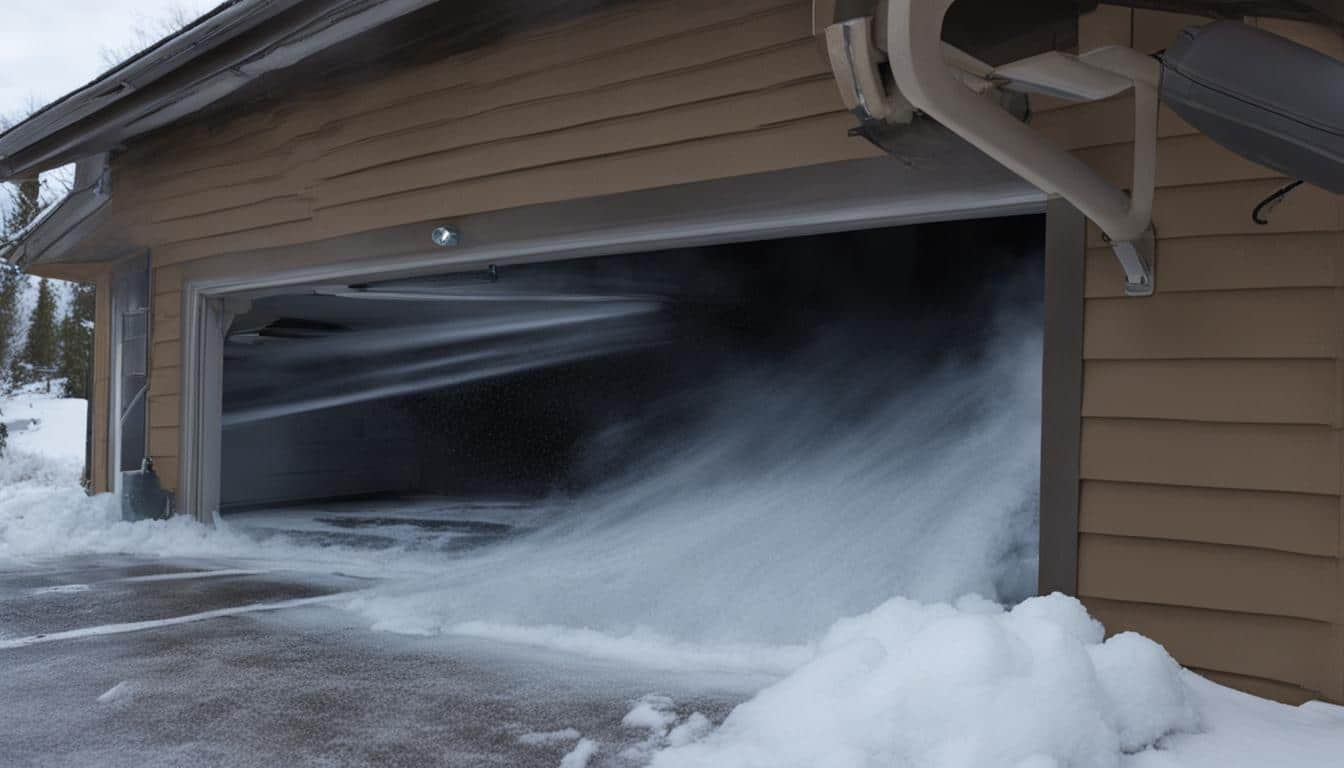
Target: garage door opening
823	421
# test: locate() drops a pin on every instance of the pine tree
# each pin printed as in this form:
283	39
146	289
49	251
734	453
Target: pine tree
76	357
10	282
41	350
25	203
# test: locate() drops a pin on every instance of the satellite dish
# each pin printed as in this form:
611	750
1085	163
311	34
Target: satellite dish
1262	96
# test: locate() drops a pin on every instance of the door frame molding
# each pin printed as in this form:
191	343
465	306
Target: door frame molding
114	416
1062	397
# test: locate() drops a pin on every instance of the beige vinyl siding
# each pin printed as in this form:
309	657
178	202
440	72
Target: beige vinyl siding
1231	262
649	94
1278	323
1259	686
1271	391
1302	523
1211	446
1213	576
652	94
1212	640
165	374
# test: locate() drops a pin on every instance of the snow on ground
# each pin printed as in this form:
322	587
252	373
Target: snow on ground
44	512
965	685
580	756
925	685
43	424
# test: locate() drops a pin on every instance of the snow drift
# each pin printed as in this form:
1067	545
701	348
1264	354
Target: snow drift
794	496
968	685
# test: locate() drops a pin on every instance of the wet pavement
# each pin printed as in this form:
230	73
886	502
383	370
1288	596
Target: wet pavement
309	685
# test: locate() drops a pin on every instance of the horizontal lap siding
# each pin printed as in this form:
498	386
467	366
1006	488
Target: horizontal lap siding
1259	686
1303	523
1192	574
1230	262
655	94
1224	390
648	94
1253	644
1211	446
751	151
165	374
1262	457
1279	323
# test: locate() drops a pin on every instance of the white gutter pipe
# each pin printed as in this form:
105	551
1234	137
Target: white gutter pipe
920	65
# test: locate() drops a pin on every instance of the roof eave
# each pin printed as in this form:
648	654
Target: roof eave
185	73
62	226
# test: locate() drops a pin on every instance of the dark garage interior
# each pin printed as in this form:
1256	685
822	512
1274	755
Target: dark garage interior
541	381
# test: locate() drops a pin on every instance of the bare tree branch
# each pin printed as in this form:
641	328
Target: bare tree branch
147	32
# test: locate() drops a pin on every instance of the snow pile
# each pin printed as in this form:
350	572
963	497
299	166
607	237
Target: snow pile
45	513
1243	730
653	712
657	715
951	686
580	755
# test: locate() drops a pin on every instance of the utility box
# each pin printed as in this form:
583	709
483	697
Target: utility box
142	498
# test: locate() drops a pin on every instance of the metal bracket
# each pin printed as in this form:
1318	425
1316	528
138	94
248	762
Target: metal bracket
855	60
1138	258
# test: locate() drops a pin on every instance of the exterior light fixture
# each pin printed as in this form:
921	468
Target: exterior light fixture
444	237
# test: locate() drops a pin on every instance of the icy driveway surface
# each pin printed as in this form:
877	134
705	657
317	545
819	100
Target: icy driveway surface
304	686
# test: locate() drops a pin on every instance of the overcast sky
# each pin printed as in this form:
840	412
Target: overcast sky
51	47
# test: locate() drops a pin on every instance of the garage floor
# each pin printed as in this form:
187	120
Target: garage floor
305	686
415	523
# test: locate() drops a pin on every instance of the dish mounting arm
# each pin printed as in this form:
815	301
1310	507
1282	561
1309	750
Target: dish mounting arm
931	77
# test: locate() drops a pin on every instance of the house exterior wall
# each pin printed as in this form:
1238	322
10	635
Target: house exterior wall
1209	508
1210	466
645	95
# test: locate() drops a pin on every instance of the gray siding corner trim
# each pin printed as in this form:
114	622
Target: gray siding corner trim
1062	396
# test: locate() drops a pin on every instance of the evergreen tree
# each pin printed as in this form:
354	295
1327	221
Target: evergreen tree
76	359
25	203
41	350
10	283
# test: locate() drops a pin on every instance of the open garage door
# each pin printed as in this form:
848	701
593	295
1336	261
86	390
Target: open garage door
448	411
